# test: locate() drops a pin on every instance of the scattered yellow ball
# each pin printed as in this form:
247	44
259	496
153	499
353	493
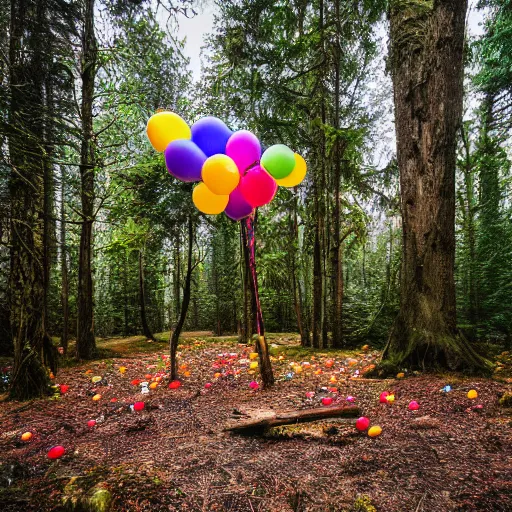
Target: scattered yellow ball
400	375
253	355
253	365
96	397
374	431
390	399
122	369
95	379
472	394
27	436
153	385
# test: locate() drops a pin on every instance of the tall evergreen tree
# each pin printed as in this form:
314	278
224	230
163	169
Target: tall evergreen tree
426	61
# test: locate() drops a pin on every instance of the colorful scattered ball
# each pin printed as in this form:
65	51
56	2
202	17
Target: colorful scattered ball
253	365
326	400
253	355
414	406
136	382
96	379
362	423
122	369
26	436
91	423
472	394
175	384
310	394
138	406
208	385
383	397
375	431
254	385
64	388
390	399
400	375
153	385
96	397
56	452
351	398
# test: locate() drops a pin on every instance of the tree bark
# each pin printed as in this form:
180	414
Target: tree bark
142	301
426	57
26	190
85	342
64	294
175	335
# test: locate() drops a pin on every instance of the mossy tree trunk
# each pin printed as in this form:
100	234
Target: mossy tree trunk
85	341
142	300
426	58
26	190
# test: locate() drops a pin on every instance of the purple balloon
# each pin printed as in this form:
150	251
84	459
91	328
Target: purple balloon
211	135
184	160
244	148
237	207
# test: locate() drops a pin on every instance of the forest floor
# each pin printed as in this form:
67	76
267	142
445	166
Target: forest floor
452	454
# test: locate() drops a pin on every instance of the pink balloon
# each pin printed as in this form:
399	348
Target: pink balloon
244	149
258	187
237	207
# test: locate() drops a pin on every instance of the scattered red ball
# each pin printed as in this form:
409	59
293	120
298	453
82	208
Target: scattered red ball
254	385
208	385
56	452
326	400
175	384
414	406
383	397
362	423
135	382
91	423
64	388
138	406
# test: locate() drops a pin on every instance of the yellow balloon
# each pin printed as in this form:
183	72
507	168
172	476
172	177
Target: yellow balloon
208	202
297	175
164	127
220	174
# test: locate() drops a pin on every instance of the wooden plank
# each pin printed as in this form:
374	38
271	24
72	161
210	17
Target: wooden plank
267	419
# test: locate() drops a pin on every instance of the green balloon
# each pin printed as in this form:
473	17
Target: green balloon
278	160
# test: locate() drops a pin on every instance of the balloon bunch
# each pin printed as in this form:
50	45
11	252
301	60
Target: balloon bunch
234	176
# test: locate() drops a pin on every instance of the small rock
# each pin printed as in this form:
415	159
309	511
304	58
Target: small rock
424	422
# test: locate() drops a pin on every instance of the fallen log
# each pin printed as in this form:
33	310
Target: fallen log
263	420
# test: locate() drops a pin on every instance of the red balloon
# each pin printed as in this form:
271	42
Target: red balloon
138	406
175	384
56	452
258	187
383	396
362	423
64	388
414	406
326	400
91	423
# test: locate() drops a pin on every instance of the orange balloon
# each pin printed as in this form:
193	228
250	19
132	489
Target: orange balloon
208	202
220	174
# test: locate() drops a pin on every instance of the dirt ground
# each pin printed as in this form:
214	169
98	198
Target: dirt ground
453	454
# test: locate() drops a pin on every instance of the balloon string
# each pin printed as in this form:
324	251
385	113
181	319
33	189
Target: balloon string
249	223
